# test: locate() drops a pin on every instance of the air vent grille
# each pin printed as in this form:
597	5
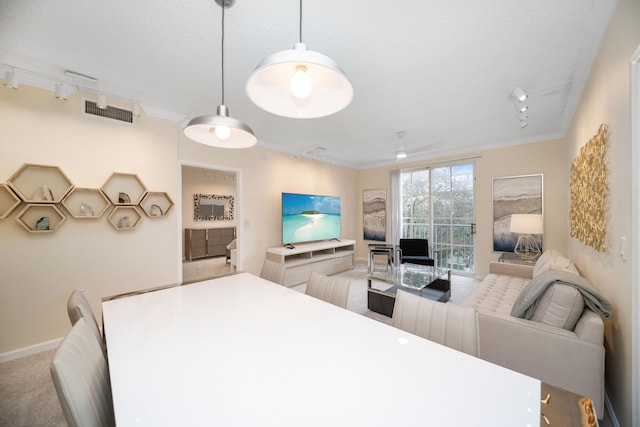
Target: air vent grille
110	112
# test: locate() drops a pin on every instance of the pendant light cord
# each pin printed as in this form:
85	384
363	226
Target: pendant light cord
300	27
222	50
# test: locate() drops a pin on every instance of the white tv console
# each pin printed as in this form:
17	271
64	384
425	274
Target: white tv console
327	257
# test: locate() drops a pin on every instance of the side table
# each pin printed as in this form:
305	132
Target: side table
513	258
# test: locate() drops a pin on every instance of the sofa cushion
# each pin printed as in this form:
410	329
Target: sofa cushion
561	306
497	293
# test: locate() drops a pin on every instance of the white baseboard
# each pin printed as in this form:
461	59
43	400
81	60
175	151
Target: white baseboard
610	411
28	351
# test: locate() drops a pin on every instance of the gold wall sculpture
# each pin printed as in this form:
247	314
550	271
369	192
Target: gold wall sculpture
589	191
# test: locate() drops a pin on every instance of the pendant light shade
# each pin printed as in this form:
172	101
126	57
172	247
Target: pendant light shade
299	83
220	130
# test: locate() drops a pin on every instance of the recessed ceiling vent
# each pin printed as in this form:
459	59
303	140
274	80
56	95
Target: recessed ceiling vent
110	112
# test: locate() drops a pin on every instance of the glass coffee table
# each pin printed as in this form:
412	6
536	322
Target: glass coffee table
425	280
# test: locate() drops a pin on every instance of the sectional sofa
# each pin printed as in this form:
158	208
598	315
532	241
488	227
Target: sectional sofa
561	341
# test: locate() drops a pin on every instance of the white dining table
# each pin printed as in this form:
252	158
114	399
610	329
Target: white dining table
243	351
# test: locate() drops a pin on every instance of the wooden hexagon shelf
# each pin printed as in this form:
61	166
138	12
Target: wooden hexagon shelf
86	203
156	204
40	184
124	189
41	218
125	218
8	201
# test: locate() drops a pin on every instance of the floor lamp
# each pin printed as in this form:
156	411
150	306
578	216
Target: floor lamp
526	225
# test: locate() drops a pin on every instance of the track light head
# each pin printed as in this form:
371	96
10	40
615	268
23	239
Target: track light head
11	79
102	101
61	92
519	95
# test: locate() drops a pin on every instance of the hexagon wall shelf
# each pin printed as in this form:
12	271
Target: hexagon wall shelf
40	183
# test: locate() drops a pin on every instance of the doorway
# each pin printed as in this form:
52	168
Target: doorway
209	206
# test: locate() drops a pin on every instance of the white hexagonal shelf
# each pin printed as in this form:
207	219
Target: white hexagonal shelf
40	184
156	204
124	189
125	218
41	218
86	203
8	201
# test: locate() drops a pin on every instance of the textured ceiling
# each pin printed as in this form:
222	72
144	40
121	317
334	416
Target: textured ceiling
440	70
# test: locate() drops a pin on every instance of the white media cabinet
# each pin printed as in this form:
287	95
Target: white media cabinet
328	257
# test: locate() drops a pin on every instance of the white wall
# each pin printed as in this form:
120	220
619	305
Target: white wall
606	99
39	271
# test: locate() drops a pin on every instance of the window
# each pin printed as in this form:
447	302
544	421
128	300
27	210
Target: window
437	204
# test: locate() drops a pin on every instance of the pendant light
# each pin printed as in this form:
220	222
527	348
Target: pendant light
299	83
220	130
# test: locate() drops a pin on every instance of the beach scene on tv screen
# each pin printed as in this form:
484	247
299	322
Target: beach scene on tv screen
308	217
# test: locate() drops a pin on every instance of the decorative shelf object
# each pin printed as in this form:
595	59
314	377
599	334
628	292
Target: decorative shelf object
86	203
40	184
8	201
125	218
124	189
156	204
41	218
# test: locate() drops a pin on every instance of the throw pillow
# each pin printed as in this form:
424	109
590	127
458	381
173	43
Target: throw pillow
554	261
560	306
544	259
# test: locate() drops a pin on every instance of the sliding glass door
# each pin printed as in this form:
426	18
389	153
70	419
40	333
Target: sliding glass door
437	204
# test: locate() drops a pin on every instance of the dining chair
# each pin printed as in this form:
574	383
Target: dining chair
273	271
78	307
452	325
81	378
334	290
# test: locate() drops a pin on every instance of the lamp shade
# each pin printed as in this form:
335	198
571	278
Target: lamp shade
206	130
526	224
320	86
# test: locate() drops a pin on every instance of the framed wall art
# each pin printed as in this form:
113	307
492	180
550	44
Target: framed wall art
514	195
374	214
211	207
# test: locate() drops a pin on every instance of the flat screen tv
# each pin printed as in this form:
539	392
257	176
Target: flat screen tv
309	217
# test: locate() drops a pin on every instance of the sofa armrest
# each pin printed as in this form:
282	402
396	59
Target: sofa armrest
508	269
552	355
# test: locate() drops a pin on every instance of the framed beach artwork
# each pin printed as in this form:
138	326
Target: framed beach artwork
374	214
514	195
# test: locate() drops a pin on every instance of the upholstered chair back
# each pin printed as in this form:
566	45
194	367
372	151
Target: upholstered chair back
78	307
448	324
81	378
273	271
334	290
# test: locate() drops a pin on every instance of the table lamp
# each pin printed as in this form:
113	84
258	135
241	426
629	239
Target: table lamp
526	225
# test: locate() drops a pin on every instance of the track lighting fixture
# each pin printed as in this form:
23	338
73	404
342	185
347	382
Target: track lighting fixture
61	92
11	79
299	83
519	94
221	130
102	101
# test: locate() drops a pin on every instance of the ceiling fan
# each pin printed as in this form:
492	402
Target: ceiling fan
402	151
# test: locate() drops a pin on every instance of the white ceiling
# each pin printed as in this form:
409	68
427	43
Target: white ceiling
441	70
